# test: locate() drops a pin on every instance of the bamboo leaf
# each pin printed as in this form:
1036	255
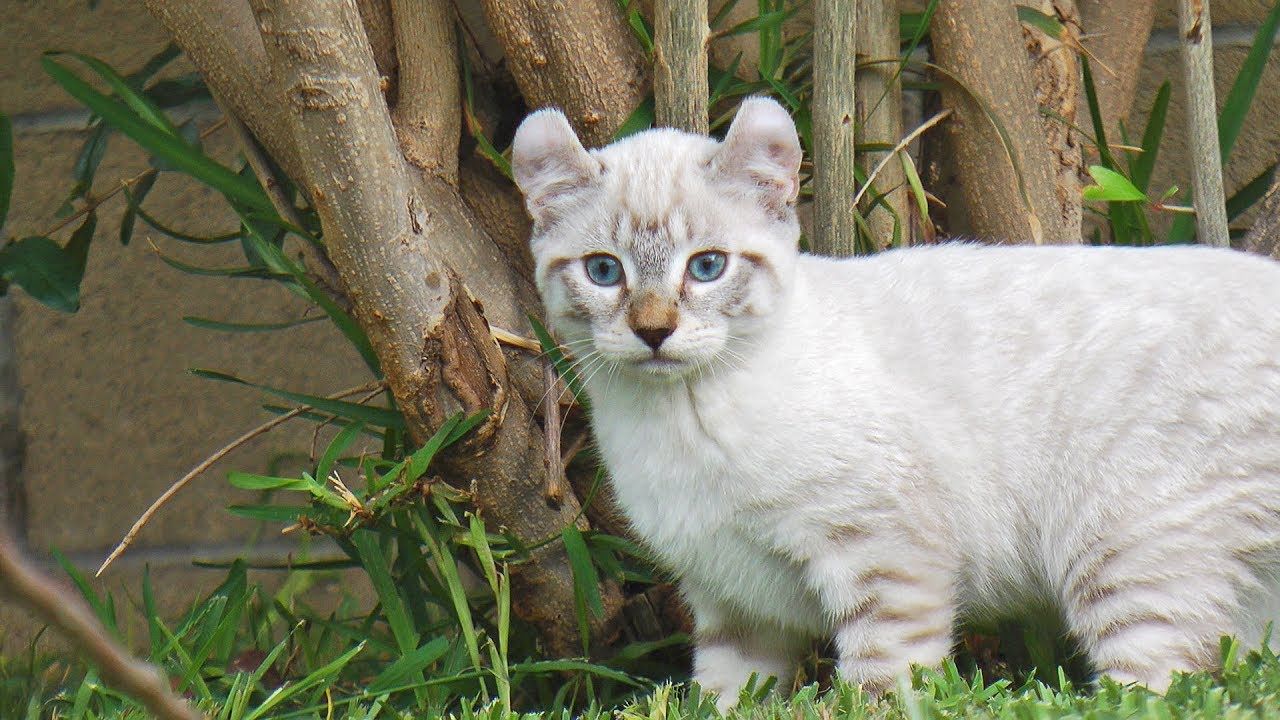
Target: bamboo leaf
127	92
232	327
381	417
1240	98
135	198
41	268
170	147
1111	187
1140	169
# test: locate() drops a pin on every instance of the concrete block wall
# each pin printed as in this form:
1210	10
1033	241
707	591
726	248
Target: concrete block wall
110	413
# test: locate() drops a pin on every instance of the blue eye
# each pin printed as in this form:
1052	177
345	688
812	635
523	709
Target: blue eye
707	266
603	269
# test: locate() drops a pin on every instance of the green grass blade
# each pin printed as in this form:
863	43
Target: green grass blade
318	677
448	568
339	445
374	560
125	91
135	198
1141	167
233	327
407	666
586	584
1252	192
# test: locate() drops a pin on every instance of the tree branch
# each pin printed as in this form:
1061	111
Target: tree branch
834	109
680	89
1055	75
397	239
379	28
220	38
1264	236
1004	165
60	608
577	55
1196	36
878	98
426	115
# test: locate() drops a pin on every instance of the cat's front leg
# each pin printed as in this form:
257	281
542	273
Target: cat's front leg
728	651
886	616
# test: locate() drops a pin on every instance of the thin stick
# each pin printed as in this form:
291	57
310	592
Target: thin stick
902	145
506	337
208	462
556	485
1196	37
58	607
92	203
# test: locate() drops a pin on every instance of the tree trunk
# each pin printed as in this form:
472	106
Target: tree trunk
680	65
834	108
1116	35
879	102
423	278
1006	172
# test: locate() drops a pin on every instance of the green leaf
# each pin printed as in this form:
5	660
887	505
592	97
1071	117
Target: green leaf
408	665
7	172
171	147
586	584
1140	169
374	561
339	445
1240	98
917	188
1252	192
772	20
640	119
231	327
381	417
249	481
44	270
564	368
321	676
77	248
1111	187
140	104
1047	24
135	199
88	160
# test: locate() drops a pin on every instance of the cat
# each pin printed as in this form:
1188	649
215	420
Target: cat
868	450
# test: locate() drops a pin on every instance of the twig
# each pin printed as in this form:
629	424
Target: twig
556	484
315	435
58	607
902	145
93	202
207	463
506	337
1196	37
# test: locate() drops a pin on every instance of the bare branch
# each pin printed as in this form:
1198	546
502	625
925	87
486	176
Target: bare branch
1196	36
427	116
1264	236
219	36
207	463
834	109
680	64
578	55
58	607
1005	167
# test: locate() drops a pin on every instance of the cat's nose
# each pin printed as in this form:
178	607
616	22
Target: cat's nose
653	336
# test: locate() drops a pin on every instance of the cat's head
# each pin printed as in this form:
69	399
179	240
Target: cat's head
666	252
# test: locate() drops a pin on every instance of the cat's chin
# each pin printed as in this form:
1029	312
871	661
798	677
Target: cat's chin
660	368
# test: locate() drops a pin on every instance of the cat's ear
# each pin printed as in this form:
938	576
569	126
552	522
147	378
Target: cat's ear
549	163
762	150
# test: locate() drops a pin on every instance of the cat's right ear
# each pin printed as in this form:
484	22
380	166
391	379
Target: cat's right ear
762	151
549	163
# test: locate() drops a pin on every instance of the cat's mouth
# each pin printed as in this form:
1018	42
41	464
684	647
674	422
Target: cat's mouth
660	365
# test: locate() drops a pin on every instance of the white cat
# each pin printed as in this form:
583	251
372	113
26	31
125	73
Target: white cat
868	449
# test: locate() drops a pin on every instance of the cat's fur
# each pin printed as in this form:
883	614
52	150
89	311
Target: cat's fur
867	449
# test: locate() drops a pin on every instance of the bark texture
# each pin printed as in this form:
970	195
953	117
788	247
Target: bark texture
1196	36
680	64
1055	74
1005	169
834	110
385	184
577	55
1264	236
878	98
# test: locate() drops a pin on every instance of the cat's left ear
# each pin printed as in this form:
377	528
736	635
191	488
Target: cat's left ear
762	151
549	163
